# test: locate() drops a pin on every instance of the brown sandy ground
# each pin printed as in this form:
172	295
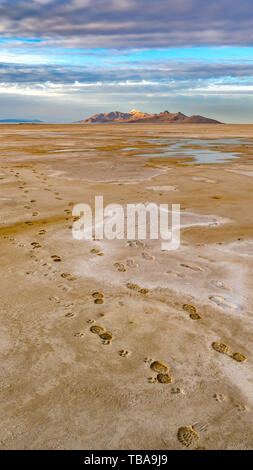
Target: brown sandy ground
117	345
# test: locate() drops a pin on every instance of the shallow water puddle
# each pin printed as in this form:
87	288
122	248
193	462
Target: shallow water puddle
180	148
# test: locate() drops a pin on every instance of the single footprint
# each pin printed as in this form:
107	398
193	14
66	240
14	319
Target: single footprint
177	390
56	258
70	314
152	380
98	301
193	267
159	367
98	295
164	378
222	348
36	245
124	353
220	397
97	330
94	251
189	308
120	267
135	243
106	337
68	276
178	274
187	436
239	357
131	263
221	285
147	256
222	302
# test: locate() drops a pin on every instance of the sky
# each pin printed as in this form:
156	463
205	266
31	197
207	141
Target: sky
62	61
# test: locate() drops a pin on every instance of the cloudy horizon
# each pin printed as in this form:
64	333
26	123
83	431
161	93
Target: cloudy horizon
62	61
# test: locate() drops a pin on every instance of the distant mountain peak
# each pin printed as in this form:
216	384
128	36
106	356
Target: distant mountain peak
135	116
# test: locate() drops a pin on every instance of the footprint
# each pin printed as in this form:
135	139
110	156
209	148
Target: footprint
135	243
97	330
94	251
164	378
131	263
239	357
98	295
177	390
70	315
187	436
68	276
222	302
222	348
147	256
120	267
178	274
98	301
221	285
36	245
124	353
106	337
159	367
220	397
193	267
189	308
56	259
193	314
152	380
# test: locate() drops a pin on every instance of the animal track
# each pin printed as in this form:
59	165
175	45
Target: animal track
131	263
120	267
70	314
220	397
124	353
56	258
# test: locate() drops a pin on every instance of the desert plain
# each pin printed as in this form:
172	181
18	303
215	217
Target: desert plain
116	344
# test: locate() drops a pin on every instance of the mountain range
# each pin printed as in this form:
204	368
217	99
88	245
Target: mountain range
139	117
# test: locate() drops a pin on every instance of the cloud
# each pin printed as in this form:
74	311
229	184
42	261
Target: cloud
130	23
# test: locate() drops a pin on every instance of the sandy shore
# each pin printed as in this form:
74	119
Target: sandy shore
163	316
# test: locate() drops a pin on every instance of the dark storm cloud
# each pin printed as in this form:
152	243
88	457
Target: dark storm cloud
130	23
